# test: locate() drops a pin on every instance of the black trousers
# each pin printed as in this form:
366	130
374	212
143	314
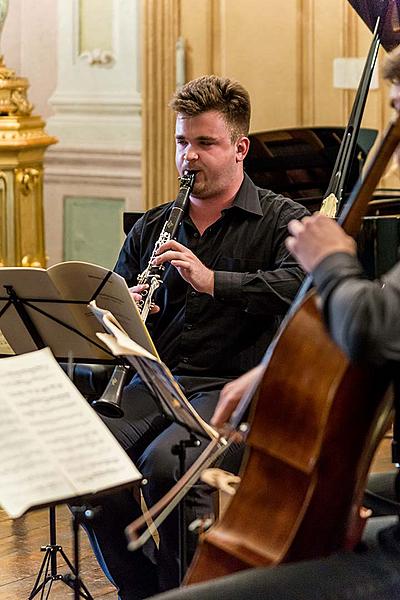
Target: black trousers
148	437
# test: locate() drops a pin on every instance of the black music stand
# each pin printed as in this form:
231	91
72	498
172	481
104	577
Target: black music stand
48	572
160	391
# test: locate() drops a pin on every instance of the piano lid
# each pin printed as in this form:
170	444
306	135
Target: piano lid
298	163
389	13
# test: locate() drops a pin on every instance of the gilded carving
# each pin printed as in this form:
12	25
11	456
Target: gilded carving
13	93
3	220
29	217
27	180
22	144
21	102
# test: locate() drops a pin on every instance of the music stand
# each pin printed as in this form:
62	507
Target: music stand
79	514
160	391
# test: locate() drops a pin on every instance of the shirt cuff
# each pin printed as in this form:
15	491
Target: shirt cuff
227	286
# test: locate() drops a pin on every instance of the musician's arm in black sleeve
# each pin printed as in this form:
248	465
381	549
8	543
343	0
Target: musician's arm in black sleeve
267	291
363	316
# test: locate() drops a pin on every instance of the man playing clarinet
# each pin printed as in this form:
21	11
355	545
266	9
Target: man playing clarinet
227	283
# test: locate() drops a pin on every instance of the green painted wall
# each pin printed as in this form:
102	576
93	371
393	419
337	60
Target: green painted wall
93	229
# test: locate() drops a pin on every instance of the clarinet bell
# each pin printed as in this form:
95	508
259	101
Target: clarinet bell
109	404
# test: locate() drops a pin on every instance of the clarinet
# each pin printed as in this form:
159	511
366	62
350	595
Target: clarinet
109	404
153	274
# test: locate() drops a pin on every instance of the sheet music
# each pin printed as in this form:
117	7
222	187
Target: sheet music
53	446
49	290
35	283
114	296
5	347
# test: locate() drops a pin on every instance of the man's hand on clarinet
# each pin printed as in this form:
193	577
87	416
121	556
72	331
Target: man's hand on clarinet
137	296
191	269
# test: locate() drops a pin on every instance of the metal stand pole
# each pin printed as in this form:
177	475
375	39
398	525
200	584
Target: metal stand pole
80	514
180	451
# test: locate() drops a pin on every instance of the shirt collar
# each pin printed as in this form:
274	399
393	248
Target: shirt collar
247	197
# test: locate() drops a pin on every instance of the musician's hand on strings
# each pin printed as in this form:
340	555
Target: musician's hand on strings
231	395
188	265
316	237
136	295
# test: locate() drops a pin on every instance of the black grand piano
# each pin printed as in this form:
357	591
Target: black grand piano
299	162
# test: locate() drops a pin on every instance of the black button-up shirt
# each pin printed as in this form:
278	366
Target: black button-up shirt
255	280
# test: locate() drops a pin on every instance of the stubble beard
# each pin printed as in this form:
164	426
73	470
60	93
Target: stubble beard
203	191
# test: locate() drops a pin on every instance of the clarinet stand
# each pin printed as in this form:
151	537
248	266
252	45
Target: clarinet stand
48	571
180	451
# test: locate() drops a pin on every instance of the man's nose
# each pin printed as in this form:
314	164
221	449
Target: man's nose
190	155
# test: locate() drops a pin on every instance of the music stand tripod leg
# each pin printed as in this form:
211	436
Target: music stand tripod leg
49	559
51	550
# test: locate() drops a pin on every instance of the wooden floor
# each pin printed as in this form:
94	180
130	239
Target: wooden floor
20	555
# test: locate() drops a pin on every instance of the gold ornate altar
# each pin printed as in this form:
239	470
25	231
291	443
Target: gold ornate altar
23	143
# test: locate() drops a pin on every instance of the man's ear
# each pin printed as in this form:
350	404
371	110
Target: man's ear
242	148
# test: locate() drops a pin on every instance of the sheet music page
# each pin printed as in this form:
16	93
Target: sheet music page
53	446
35	285
118	340
80	281
5	347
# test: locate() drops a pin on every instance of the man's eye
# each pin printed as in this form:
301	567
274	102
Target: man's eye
206	143
181	142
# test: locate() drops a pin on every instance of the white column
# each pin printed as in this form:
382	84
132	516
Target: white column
96	109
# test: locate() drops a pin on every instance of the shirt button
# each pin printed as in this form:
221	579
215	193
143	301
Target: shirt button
193	294
185	359
196	234
188	326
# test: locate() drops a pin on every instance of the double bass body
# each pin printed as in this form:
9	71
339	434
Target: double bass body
316	422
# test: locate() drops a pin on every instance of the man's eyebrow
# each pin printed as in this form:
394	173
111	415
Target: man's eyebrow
206	138
200	138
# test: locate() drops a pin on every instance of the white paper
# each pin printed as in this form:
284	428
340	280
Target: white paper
53	446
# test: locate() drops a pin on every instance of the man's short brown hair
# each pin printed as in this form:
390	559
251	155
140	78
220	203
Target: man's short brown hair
221	94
